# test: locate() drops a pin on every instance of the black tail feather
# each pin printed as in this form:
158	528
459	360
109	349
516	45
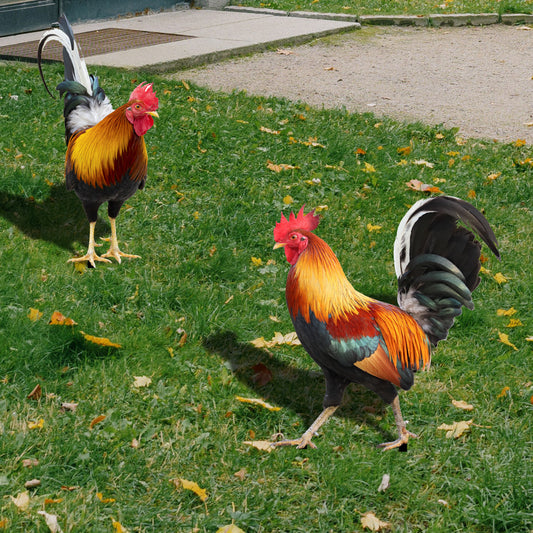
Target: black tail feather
437	262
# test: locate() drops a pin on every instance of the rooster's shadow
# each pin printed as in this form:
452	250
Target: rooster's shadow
58	219
293	388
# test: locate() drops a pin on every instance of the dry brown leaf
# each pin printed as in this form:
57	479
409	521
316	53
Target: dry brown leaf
21	500
96	420
51	522
278	339
241	474
268	130
283	52
279	167
371	521
258	402
142	381
263	445
262	375
69	406
192	486
36	393
460	404
457	429
28	463
32	483
385	482
417	185
58	319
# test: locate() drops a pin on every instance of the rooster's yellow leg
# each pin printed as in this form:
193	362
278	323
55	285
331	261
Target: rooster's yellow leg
305	439
114	250
91	255
403	434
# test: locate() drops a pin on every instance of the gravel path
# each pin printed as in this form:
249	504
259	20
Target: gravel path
478	79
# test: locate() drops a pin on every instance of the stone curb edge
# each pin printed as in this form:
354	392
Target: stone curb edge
436	20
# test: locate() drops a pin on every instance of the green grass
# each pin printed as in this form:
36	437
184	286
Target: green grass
209	206
396	7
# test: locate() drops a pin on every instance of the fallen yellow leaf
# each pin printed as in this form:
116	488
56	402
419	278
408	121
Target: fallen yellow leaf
192	486
457	429
102	341
405	150
503	392
369	168
417	185
371	228
96	420
100	496
514	323
506	312
279	167
231	528
256	261
34	314
504	339
58	319
257	401
500	278
118	527
290	338
36	425
288	200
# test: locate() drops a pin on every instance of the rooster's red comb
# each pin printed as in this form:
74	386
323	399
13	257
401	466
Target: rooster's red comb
146	94
303	222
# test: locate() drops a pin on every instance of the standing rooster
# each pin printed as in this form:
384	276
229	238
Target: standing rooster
106	156
354	338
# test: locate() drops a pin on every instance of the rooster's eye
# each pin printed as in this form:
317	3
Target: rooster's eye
292	237
137	106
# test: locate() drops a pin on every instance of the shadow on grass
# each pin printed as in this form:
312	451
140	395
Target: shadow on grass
59	219
293	388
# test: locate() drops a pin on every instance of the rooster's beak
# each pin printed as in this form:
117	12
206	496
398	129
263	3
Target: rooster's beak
153	114
279	245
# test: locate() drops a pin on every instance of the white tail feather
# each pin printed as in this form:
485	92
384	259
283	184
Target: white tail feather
81	74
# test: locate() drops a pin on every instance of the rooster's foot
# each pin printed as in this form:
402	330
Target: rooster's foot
400	441
91	257
117	254
300	443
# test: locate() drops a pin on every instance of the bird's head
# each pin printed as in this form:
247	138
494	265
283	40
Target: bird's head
142	107
293	233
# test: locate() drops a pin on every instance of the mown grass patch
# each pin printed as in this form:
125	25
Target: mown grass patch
185	312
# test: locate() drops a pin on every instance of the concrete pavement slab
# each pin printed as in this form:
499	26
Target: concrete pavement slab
213	35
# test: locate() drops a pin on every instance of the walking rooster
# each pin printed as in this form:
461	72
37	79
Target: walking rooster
106	158
354	338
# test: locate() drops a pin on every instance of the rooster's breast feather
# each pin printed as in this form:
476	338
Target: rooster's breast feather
102	155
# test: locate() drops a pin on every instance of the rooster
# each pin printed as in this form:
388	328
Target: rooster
106	157
354	338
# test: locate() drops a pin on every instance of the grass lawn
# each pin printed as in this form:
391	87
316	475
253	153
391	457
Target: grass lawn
207	284
395	7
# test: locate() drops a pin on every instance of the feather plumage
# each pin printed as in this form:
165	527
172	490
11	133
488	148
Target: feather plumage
106	159
354	338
